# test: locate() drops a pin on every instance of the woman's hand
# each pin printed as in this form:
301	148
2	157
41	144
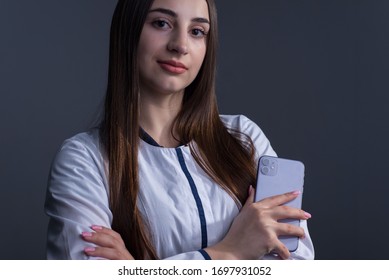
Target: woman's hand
110	244
254	232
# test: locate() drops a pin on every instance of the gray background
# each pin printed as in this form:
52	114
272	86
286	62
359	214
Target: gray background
312	74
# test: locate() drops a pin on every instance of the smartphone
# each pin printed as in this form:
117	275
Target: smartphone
278	176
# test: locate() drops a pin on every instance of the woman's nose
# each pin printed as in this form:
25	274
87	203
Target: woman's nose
179	43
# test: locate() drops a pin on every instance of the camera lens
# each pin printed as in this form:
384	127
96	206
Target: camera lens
265	161
265	170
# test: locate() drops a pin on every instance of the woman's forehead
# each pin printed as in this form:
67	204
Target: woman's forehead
184	8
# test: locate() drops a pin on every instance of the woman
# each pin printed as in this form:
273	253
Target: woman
165	176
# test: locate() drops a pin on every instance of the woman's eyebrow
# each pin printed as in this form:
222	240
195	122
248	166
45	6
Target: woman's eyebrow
164	11
173	14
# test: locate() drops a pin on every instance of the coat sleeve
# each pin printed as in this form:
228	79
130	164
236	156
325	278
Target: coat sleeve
76	198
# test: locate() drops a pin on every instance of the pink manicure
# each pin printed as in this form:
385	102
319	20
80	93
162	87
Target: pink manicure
86	234
307	215
296	192
89	249
94	227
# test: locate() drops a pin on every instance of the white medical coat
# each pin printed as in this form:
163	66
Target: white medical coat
186	210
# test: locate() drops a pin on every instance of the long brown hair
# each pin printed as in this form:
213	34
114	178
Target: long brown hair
226	156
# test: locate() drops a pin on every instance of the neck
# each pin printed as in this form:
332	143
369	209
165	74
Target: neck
157	115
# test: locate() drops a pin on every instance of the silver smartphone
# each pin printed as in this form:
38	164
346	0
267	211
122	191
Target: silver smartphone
277	176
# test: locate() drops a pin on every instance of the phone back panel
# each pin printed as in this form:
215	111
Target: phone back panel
278	176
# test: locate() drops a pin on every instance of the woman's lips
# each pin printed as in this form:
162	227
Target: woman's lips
172	66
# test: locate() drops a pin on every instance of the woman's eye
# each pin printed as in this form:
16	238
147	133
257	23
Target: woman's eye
161	24
198	32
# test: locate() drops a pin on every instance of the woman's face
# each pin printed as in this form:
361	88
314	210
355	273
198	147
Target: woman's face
172	45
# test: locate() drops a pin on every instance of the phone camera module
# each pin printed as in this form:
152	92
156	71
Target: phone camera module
269	166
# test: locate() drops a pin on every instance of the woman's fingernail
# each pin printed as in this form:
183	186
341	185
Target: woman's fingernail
296	192
94	227
86	234
307	215
89	249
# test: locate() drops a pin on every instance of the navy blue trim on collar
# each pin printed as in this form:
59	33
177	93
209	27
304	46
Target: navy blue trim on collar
203	222
206	256
147	138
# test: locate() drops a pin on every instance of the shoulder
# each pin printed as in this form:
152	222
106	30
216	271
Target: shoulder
79	152
85	143
240	123
88	140
246	126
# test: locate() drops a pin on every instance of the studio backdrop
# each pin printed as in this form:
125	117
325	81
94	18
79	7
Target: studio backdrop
312	74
